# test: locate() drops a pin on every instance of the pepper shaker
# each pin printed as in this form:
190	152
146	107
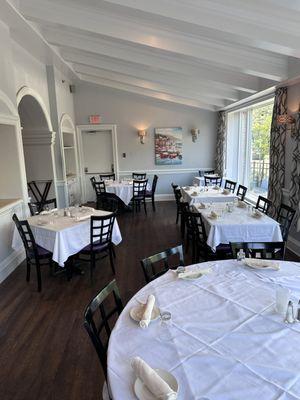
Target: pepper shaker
289	318
298	312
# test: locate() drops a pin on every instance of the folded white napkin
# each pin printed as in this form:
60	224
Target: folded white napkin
146	318
82	218
202	206
241	204
46	212
157	386
261	264
213	214
194	273
226	191
216	187
257	213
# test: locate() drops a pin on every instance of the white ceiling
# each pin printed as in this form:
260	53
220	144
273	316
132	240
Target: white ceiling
200	53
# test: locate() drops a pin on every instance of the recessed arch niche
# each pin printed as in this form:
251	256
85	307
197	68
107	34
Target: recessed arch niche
38	139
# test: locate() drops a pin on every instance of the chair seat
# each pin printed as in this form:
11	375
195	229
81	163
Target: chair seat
97	247
42	253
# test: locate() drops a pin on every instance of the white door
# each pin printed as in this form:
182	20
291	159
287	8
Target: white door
97	151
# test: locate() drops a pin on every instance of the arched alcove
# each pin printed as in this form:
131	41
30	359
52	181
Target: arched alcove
38	139
70	161
12	177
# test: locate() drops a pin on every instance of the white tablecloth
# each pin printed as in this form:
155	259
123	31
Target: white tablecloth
65	237
123	190
203	196
238	226
228	342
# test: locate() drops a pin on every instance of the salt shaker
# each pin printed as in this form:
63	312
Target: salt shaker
289	318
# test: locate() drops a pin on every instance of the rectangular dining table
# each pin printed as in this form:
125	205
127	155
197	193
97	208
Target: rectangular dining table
196	194
240	225
63	236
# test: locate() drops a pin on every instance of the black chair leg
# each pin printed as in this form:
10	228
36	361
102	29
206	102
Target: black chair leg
182	226
177	216
145	207
113	250
111	260
153	204
28	271
92	267
39	278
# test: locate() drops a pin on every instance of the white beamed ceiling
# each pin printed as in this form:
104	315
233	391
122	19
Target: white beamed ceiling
200	53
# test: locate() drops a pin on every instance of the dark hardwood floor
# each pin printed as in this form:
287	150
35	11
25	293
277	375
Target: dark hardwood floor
45	352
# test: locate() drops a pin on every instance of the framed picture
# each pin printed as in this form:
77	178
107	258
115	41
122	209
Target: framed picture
168	146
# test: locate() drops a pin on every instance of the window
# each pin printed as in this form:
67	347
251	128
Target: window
248	146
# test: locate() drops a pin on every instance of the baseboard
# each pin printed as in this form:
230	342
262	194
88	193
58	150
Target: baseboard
164	197
10	263
294	245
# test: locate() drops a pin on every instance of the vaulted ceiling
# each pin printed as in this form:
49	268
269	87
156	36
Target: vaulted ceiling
201	53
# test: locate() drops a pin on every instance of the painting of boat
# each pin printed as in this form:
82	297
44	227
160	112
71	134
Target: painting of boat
168	146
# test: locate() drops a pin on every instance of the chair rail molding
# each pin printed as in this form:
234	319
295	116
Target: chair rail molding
166	171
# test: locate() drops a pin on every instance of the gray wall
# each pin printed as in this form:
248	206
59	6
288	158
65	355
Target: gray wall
131	112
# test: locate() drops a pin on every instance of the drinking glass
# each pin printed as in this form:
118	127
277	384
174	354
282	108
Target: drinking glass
165	326
282	299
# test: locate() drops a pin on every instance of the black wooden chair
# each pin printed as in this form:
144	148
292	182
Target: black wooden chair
207	172
184	208
201	250
37	207
111	176
35	254
209	180
178	196
263	250
263	204
108	202
230	185
151	193
139	195
100	245
285	218
162	259
93	180
139	176
241	192
98	321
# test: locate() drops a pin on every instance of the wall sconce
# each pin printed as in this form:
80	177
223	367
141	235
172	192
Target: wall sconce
142	134
288	120
195	132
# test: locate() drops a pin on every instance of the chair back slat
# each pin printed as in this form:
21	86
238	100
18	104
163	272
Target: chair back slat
230	185
139	176
154	183
241	192
99	187
263	204
27	237
139	188
207	172
209	180
96	309
285	218
148	264
263	250
111	176
101	229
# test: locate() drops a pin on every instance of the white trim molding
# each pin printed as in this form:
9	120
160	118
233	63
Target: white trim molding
10	263
166	171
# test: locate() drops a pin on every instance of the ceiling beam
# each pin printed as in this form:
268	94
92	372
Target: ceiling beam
147	93
263	64
213	75
202	96
159	77
257	22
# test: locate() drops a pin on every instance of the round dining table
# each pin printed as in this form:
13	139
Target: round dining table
225	340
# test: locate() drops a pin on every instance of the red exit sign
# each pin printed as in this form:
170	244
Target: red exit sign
95	119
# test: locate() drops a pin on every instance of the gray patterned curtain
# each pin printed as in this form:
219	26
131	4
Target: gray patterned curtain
277	149
295	172
221	142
